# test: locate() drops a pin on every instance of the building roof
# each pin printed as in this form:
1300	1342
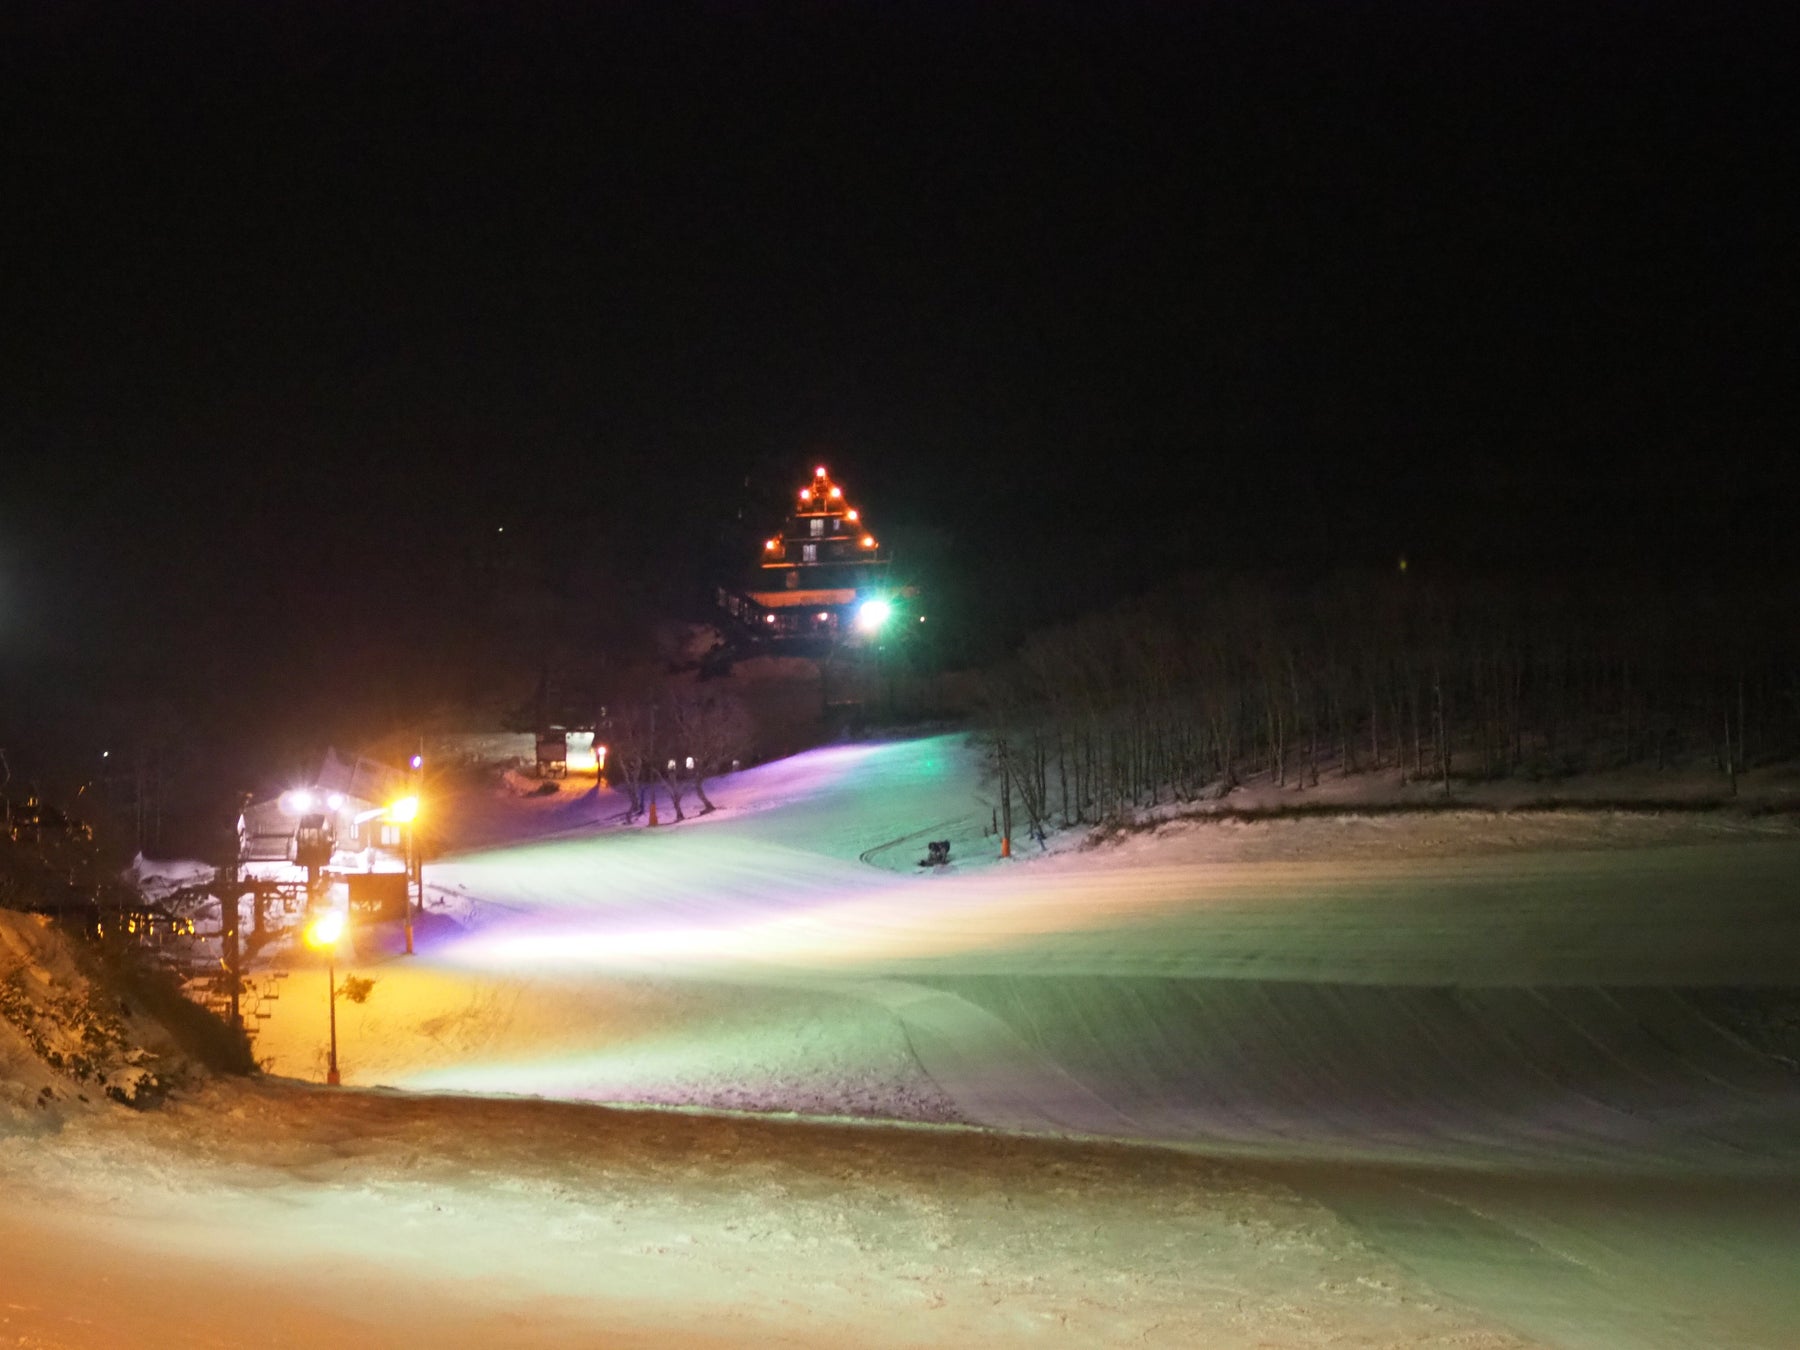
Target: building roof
842	543
360	779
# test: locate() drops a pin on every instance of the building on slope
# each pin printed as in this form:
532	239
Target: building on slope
822	578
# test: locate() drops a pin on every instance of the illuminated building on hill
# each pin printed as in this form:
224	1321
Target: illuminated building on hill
824	575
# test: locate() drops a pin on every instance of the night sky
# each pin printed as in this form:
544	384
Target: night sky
304	303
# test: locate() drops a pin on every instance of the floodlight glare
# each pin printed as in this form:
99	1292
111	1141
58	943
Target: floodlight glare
404	811
872	614
297	802
335	801
325	930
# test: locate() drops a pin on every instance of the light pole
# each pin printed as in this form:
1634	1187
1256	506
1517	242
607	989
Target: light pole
405	813
323	934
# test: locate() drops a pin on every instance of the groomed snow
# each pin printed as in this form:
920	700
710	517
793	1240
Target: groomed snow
1535	1059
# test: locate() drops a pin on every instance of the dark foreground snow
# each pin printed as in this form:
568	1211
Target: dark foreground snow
281	1215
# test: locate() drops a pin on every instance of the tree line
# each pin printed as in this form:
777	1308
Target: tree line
674	733
1188	692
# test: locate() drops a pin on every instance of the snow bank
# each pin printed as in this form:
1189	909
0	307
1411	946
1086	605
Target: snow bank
63	1040
158	878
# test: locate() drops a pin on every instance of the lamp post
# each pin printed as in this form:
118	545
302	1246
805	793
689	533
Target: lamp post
322	934
404	813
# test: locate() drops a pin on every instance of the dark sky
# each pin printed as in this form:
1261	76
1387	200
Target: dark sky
304	301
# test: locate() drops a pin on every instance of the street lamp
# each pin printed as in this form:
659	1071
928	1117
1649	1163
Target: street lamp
403	812
322	934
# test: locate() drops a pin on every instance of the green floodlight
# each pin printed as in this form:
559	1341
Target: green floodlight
872	614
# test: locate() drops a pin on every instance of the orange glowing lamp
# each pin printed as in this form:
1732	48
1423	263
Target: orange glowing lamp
324	931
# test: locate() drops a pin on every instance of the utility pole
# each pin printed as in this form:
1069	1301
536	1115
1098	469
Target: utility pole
415	862
654	751
332	1078
225	886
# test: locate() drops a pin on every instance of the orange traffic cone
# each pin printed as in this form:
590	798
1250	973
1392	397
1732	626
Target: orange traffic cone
653	810
1006	846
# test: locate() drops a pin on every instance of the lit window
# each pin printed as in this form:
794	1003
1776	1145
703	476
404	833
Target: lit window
809	553
818	526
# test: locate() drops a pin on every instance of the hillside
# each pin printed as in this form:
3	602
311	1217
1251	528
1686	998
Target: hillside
1466	1077
69	1036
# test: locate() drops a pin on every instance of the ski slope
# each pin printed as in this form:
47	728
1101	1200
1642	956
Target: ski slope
1527	1055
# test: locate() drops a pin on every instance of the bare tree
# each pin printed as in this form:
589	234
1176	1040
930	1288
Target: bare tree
669	770
712	728
631	749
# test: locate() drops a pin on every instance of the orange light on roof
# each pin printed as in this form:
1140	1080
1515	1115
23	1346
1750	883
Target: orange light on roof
806	494
837	492
769	544
851	513
819	472
868	541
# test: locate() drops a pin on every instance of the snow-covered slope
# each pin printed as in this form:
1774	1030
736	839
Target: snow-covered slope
1384	987
64	1042
1463	995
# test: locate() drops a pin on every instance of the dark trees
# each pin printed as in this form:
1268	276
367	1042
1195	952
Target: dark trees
1431	678
677	733
710	729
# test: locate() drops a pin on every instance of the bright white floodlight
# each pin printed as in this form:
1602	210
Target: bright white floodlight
297	802
872	614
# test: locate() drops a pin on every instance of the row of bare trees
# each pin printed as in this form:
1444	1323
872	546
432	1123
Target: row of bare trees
676	734
1217	678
